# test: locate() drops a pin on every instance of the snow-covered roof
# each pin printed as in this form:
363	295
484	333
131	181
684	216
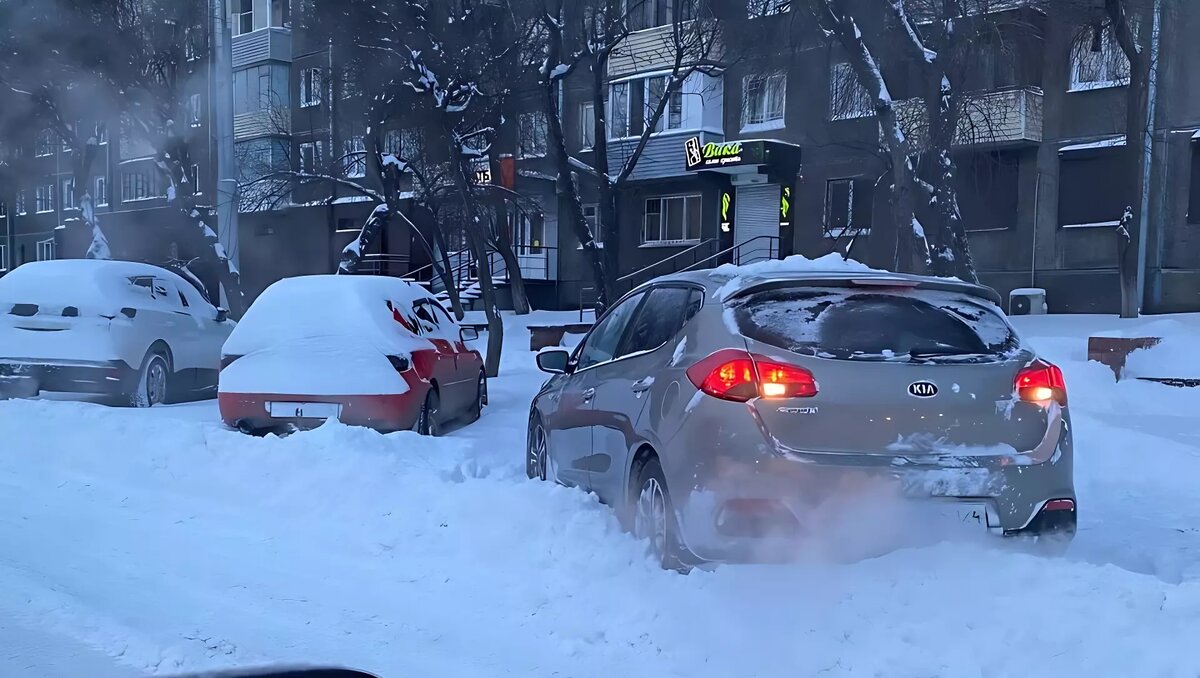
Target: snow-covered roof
92	285
1109	142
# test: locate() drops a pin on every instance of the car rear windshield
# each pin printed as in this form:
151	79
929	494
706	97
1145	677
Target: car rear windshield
899	324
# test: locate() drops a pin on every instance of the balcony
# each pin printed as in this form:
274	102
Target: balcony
266	44
1005	117
653	49
264	123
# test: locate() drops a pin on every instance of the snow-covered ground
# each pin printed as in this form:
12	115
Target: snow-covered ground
157	541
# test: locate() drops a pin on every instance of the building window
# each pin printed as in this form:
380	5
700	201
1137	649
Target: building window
44	199
1090	190
591	216
3	257
21	204
195	107
672	220
1098	61
653	13
3	210
847	207
243	16
987	190
68	194
406	144
310	156
672	117
101	133
195	179
761	8
530	235
355	161
45	249
848	99
310	87
764	97
618	112
44	144
534	133
136	185
101	191
587	124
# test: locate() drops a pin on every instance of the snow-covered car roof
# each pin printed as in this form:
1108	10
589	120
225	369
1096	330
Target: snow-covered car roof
99	285
335	312
730	280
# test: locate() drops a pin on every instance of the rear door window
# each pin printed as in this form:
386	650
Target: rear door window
660	318
876	325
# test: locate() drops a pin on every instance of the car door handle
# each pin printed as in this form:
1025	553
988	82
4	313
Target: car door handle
642	385
588	395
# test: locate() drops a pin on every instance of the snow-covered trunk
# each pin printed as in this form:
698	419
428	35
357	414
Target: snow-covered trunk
607	195
200	238
512	265
478	238
912	250
445	272
82	179
375	224
1137	107
567	184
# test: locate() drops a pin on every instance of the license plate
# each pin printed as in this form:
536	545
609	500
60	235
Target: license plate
305	410
966	515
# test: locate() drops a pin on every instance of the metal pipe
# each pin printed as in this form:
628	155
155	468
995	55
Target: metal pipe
1037	197
227	188
1148	155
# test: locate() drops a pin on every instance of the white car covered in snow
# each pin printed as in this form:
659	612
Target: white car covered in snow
135	331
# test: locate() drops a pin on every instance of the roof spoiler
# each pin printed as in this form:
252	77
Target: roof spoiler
879	282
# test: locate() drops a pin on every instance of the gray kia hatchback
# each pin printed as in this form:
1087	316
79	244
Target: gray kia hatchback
739	414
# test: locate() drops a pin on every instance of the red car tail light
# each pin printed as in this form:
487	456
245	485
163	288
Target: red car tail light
1059	505
1041	382
227	360
400	364
735	375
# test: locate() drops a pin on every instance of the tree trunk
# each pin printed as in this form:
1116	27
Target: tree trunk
477	237
353	253
446	274
504	245
606	216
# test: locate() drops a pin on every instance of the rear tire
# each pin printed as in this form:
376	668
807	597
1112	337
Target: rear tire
153	384
654	518
427	421
480	398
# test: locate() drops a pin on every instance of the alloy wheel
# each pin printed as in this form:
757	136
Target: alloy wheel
650	520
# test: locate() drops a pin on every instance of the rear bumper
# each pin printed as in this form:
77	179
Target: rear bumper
738	498
252	411
28	378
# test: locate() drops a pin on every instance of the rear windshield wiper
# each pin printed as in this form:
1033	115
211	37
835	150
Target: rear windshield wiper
938	351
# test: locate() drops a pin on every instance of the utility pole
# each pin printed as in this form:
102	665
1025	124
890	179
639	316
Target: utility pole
1148	157
227	186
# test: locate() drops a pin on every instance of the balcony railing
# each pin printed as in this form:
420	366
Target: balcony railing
999	117
267	122
267	44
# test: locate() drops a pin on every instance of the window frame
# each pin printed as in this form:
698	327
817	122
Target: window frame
636	298
100	186
662	199
311	83
533	122
43	144
316	148
239	17
838	74
587	125
47	246
625	115
1109	48
43	199
766	122
354	156
67	193
625	350
675	99
757	9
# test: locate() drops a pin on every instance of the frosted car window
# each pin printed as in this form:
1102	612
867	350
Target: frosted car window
658	319
601	345
876	325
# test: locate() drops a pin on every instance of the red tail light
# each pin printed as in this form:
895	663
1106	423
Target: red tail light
227	360
1041	382
738	376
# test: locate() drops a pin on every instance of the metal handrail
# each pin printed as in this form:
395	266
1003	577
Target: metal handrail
415	272
771	239
663	261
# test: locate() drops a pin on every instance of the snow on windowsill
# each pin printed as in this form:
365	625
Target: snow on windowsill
763	126
1095	224
1100	84
1111	142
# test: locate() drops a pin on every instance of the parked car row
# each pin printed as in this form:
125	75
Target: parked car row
371	351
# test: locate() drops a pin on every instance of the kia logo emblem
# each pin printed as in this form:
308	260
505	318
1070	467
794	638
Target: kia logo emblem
923	389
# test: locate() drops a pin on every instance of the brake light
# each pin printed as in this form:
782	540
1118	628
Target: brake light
227	360
1041	382
738	376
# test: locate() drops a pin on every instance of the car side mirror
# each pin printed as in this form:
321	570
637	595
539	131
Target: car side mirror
553	360
468	333
222	315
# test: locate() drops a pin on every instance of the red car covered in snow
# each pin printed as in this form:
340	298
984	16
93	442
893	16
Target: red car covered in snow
365	350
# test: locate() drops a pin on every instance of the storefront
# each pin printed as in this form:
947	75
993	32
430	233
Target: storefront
758	177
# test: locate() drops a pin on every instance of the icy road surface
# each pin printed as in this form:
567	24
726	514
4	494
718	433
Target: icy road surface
158	542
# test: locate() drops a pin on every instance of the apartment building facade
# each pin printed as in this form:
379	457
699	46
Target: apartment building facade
37	196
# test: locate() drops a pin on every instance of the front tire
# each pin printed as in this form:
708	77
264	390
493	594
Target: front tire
481	397
537	456
427	421
153	383
654	518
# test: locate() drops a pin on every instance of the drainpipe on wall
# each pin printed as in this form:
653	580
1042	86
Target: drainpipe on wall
1148	155
227	188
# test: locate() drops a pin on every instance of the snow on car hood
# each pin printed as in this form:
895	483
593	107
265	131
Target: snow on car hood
327	335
